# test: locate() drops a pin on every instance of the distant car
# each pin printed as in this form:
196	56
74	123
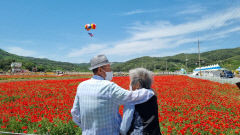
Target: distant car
226	74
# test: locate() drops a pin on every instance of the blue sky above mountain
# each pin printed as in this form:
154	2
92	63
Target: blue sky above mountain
125	29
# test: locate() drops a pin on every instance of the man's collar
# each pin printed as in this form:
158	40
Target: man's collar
97	77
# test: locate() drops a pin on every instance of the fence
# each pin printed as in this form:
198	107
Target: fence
218	79
10	133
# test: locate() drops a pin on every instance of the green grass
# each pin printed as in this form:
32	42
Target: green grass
57	127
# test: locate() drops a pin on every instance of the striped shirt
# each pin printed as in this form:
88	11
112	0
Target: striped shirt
96	105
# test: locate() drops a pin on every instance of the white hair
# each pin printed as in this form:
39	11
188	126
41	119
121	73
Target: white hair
142	76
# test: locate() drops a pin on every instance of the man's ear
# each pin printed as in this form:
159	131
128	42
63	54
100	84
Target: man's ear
99	70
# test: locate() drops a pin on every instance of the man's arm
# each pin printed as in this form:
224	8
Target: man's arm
122	96
75	111
127	119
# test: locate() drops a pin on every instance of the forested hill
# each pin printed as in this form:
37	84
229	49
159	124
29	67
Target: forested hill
227	58
42	64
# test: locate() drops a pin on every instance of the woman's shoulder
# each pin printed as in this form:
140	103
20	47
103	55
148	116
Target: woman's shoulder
149	103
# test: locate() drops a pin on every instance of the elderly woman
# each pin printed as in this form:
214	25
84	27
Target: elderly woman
141	119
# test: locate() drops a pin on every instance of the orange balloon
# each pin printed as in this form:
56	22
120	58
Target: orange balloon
93	26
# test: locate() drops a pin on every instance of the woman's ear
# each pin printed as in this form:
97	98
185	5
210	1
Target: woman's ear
136	86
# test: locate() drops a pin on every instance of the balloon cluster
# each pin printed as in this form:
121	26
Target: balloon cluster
90	26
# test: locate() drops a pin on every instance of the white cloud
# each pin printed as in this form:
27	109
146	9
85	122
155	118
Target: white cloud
169	36
167	30
224	33
91	49
134	47
183	50
20	51
192	9
139	11
148	40
11	41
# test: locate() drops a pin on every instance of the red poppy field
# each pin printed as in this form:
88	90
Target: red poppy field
44	76
186	106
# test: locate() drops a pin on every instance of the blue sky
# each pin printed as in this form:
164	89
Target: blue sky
126	29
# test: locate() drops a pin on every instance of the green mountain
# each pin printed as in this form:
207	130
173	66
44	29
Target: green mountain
227	58
42	64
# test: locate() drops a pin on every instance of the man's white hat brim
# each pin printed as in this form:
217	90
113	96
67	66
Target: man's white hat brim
99	65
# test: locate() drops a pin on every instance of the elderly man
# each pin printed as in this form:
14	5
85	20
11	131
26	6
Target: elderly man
96	104
141	119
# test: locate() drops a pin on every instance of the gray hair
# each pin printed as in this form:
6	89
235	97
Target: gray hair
141	75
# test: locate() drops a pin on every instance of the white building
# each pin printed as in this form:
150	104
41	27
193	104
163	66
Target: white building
16	67
211	70
238	69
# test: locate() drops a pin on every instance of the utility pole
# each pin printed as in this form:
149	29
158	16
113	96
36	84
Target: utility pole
166	66
186	63
199	58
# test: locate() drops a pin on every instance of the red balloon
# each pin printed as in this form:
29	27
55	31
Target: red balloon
93	26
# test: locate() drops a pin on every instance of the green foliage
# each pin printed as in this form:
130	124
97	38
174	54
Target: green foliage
9	98
227	58
5	64
42	64
57	127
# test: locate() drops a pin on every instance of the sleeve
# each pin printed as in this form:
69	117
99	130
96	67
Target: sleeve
75	111
127	119
122	96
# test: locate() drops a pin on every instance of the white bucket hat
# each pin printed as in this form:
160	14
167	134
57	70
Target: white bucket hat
98	61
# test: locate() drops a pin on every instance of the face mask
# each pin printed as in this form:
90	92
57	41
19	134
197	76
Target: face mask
109	75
